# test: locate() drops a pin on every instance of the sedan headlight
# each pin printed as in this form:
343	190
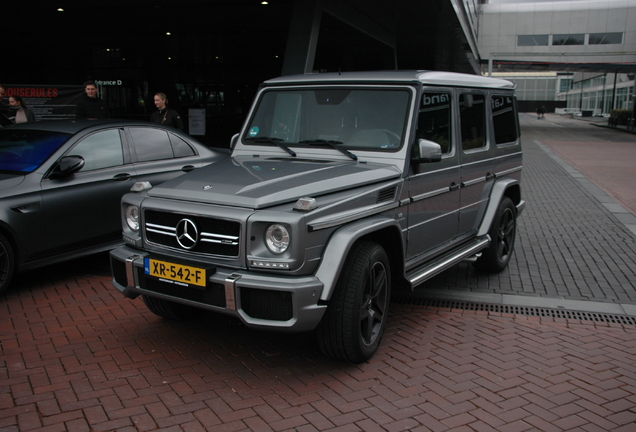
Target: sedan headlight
132	217
277	238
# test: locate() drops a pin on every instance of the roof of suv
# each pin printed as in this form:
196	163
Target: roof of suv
424	77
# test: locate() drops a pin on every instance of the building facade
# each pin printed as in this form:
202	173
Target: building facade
583	53
212	54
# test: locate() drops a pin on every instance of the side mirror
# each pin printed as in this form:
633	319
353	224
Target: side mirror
429	151
69	165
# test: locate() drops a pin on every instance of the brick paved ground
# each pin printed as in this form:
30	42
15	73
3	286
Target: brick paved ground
76	356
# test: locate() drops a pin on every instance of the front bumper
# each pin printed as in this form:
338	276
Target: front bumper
259	300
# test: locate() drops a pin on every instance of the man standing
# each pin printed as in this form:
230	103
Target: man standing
90	106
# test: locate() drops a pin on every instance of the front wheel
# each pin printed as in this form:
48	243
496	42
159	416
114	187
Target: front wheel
356	318
502	235
7	263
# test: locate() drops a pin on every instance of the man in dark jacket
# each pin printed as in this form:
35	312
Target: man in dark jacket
90	106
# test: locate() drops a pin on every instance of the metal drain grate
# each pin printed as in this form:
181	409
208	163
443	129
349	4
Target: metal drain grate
521	310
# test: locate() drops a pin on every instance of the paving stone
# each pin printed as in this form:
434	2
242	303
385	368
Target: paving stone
76	356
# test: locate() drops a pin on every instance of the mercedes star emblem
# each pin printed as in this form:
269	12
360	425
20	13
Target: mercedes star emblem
187	234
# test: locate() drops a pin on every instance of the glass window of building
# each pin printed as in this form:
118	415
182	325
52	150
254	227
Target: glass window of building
605	38
532	40
565	84
568	39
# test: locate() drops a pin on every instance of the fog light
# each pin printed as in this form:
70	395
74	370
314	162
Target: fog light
269	264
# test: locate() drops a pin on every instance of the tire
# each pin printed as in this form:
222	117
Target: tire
169	310
356	318
7	263
502	234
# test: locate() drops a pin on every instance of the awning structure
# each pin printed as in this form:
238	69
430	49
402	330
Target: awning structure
503	65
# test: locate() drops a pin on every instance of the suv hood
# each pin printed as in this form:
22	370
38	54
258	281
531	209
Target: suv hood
256	183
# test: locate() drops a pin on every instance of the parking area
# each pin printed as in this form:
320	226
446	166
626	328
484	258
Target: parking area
76	356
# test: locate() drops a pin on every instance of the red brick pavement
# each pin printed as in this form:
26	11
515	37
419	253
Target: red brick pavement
609	165
76	356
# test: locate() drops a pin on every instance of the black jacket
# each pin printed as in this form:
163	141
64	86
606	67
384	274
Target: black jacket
167	117
92	108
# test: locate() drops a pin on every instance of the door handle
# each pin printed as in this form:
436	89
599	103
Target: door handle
453	187
188	168
122	177
489	176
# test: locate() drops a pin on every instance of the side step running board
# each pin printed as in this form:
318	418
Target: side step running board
423	273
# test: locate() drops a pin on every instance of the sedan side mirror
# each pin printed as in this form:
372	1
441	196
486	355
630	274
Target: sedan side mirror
69	165
428	151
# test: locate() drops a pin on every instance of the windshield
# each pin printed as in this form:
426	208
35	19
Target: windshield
22	151
351	118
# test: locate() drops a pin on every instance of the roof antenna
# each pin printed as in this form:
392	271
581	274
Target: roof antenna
339	71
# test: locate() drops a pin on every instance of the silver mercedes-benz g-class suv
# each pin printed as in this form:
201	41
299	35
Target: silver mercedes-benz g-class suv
339	188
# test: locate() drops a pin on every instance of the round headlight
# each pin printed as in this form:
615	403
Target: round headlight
277	238
132	217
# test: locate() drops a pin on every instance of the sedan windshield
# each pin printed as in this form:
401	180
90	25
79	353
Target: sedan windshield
341	118
22	151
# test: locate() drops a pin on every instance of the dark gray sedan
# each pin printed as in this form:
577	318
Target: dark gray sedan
61	183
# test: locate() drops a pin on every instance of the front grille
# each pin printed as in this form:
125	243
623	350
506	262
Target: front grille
217	237
213	294
267	304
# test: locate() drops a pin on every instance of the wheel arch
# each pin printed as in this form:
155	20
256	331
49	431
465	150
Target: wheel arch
384	231
8	233
508	187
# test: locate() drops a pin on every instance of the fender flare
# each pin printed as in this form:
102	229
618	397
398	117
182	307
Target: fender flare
340	243
498	192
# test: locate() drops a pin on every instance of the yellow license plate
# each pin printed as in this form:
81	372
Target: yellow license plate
175	272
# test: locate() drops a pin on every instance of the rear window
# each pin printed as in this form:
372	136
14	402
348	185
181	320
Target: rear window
504	118
23	151
151	144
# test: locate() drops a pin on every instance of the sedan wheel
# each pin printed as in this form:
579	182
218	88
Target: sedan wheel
7	263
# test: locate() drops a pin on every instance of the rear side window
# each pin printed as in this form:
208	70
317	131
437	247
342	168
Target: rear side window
434	119
504	118
473	120
180	147
151	144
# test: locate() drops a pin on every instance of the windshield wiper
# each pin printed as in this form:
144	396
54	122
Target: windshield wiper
275	141
332	144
